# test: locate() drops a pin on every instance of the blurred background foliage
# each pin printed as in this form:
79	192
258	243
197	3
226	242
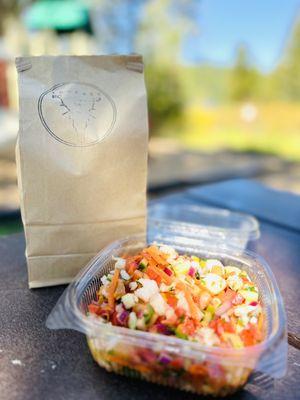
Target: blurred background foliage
202	104
165	96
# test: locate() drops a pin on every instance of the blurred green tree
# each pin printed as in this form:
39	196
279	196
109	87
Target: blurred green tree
7	8
165	95
289	71
156	29
163	26
158	36
244	78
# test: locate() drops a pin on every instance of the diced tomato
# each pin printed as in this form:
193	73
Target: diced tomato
188	327
114	319
177	363
131	267
168	271
220	326
250	336
245	280
171	300
238	299
198	369
180	312
94	308
228	327
213	324
247	337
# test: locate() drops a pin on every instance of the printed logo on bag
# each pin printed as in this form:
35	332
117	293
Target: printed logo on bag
77	114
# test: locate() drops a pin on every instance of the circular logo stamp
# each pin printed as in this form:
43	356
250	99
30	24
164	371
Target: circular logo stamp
77	114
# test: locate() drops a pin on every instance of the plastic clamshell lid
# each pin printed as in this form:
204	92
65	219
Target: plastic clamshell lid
202	222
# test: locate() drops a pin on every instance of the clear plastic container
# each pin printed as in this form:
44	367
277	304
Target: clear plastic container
203	222
169	360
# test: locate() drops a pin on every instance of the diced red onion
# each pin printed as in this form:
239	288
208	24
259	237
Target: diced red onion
254	303
147	355
223	308
192	271
134	264
122	317
163	329
168	271
164	359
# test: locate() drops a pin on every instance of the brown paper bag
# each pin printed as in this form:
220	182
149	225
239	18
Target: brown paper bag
81	159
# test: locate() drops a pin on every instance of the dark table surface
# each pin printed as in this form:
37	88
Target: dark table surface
36	363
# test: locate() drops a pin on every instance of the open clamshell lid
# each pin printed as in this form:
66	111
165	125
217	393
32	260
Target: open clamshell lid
220	226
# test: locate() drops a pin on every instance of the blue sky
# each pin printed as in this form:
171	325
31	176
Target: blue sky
262	25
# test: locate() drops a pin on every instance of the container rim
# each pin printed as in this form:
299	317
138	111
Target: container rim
89	325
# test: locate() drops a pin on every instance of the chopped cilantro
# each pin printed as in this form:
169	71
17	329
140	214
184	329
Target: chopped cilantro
149	314
180	334
172	372
132	373
181	318
143	265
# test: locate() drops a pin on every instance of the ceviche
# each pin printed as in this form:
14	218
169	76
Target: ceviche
198	300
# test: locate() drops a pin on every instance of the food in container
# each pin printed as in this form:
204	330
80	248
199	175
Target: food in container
206	360
201	300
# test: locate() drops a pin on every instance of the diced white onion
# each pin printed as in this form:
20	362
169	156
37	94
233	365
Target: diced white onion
128	300
124	275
